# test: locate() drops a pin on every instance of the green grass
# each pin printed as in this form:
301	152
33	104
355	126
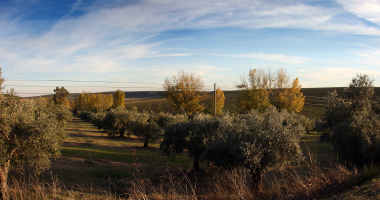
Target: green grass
140	155
323	152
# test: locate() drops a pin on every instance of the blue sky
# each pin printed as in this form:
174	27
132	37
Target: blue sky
134	45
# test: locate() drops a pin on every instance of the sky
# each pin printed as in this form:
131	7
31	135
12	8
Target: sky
133	45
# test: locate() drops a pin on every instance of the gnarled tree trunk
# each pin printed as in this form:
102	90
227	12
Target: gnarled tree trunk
256	180
196	163
4	169
146	141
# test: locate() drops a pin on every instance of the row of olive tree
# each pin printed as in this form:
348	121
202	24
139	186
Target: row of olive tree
148	126
254	140
31	132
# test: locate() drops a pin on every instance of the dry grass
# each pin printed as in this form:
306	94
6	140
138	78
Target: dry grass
302	182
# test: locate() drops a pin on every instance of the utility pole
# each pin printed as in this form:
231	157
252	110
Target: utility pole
215	99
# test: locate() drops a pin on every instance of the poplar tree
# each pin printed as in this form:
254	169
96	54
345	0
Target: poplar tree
254	92
118	100
220	98
263	89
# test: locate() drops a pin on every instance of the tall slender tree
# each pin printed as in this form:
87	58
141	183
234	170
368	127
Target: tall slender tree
118	99
220	98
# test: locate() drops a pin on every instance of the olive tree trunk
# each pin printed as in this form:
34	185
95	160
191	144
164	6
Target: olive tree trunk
256	180
196	163
3	180
146	141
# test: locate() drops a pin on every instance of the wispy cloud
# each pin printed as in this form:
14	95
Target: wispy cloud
366	9
271	57
108	38
323	74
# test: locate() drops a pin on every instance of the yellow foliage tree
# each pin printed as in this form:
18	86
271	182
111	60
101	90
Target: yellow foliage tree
296	100
185	92
286	96
81	102
93	102
118	100
264	89
254	93
219	103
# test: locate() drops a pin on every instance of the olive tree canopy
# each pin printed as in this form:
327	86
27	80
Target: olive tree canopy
352	124
30	134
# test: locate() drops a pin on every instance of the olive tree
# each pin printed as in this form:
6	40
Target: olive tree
144	126
192	135
30	134
97	119
351	123
256	141
118	121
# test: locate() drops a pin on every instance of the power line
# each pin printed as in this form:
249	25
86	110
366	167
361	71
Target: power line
80	81
71	86
76	81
